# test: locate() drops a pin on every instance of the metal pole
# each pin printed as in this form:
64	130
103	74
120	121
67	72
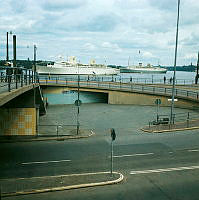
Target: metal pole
111	157
7	51
78	102
197	75
35	53
175	60
14	52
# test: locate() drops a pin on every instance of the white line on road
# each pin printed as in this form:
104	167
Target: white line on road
131	155
42	162
193	150
164	170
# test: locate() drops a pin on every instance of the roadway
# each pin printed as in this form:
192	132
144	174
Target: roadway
155	166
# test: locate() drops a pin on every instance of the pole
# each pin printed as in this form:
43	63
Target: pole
7	51
175	60
35	53
14	51
197	75
111	157
78	101
158	112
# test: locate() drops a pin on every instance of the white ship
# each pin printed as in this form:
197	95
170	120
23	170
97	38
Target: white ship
143	69
72	67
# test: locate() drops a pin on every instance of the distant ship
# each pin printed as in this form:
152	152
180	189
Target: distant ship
72	67
143	69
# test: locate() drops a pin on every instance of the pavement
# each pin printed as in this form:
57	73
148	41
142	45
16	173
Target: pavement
24	186
44	137
178	126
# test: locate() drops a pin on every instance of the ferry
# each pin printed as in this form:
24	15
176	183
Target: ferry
143	69
72	67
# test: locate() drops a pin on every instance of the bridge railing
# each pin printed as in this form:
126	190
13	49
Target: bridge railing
119	79
15	77
180	120
149	89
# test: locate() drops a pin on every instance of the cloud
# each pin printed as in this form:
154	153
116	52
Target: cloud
57	5
113	28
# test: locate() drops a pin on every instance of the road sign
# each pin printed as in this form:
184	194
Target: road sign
113	134
171	99
78	102
158	101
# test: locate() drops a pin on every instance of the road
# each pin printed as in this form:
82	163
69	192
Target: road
155	166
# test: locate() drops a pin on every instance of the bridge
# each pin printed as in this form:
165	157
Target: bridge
21	103
131	93
21	100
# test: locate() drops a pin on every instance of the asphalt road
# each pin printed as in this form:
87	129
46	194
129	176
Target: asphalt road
155	166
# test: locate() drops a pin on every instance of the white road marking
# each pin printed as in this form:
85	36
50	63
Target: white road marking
131	155
193	150
164	170
42	162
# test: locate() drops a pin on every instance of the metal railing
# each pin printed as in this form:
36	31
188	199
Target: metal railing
130	87
117	78
14	78
57	130
180	120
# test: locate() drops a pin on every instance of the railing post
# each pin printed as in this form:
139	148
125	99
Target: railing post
21	79
188	120
187	93
8	82
26	77
29	76
165	90
16	81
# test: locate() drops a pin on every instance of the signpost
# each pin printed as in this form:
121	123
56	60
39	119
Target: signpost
113	137
158	102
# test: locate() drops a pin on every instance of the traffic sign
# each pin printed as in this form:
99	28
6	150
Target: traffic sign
78	102
113	134
158	101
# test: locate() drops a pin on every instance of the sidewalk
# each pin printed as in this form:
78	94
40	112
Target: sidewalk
24	186
179	126
43	137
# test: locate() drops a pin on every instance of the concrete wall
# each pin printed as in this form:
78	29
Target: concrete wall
17	122
145	99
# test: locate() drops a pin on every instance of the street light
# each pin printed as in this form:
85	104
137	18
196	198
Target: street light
175	60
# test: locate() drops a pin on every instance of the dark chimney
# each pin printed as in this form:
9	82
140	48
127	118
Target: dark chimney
14	50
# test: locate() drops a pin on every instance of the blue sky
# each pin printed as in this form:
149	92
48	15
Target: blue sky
109	31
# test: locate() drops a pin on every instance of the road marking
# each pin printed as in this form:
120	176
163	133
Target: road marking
193	150
137	154
164	170
42	162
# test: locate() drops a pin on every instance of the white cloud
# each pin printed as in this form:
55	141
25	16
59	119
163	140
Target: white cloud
113	28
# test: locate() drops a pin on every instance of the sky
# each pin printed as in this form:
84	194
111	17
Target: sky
110	31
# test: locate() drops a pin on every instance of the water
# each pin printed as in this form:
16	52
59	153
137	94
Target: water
57	96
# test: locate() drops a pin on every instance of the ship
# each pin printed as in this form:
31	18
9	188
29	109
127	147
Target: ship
72	67
143	69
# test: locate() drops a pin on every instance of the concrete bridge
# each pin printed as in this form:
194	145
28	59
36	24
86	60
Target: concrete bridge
21	103
132	93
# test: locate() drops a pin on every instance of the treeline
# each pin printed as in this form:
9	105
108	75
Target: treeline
25	63
187	68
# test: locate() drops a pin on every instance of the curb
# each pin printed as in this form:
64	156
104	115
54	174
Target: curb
71	186
49	138
170	130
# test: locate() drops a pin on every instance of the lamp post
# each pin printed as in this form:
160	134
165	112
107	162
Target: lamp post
175	60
